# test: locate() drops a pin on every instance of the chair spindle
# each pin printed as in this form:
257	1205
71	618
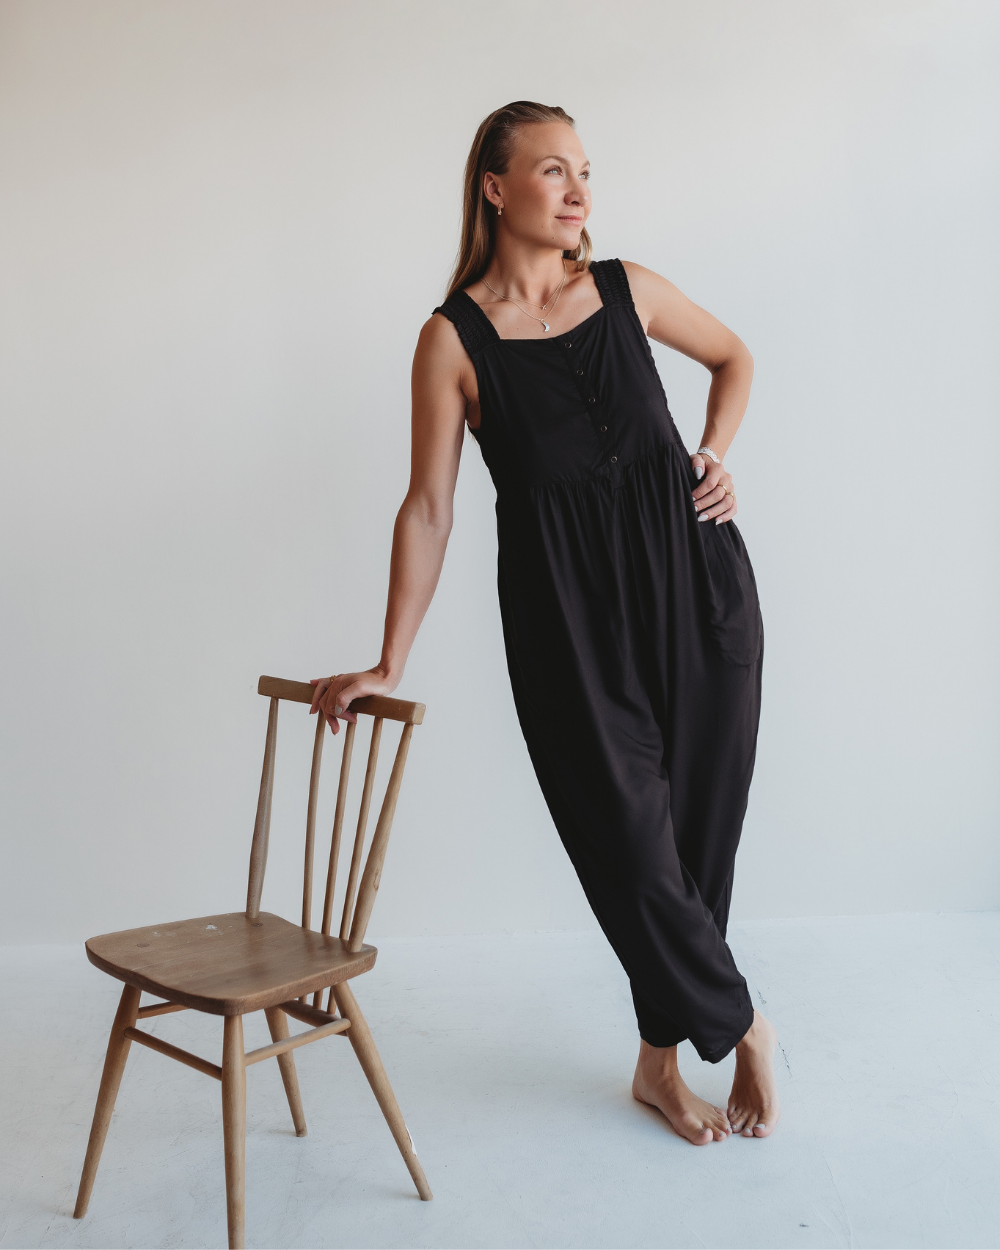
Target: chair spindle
380	843
359	837
307	875
262	825
338	825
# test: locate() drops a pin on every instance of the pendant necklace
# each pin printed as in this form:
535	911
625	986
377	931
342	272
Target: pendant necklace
553	300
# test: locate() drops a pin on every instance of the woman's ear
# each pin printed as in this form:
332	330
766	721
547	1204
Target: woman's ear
491	189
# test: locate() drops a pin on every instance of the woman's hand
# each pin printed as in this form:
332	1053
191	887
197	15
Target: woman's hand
334	695
713	496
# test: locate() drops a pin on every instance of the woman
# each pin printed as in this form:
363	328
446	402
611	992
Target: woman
631	622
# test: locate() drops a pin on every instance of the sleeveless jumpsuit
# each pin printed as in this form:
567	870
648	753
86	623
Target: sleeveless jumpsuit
634	643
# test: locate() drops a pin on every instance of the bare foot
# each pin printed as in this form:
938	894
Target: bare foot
658	1083
753	1102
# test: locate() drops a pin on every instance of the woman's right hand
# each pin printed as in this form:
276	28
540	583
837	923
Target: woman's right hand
334	695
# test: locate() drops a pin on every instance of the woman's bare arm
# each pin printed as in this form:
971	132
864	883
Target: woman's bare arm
671	318
423	523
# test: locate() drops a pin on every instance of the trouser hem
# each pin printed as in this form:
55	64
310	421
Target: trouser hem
713	1054
719	1052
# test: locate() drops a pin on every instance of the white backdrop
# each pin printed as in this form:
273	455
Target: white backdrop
223	223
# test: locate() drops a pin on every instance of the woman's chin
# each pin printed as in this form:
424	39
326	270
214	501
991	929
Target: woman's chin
567	240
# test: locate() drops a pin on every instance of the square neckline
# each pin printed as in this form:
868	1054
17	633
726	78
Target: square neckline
547	339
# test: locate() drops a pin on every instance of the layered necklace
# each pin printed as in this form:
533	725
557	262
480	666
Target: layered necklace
551	301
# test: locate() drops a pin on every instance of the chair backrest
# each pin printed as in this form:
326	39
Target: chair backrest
358	902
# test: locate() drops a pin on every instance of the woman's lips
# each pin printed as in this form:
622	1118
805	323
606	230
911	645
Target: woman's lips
571	221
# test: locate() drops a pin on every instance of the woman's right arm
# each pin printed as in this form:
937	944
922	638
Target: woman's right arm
442	385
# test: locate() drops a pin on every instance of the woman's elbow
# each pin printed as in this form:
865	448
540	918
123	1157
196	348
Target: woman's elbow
433	514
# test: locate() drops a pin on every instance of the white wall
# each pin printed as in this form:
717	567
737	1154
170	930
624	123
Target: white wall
223	222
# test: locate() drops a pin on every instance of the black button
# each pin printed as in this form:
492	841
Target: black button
592	399
614	459
567	343
604	429
579	373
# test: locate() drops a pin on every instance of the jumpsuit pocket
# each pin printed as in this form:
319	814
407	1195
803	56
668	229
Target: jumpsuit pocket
734	618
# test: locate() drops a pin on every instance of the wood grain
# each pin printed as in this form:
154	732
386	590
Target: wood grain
111	1079
277	1023
311	805
237	962
262	825
281	1048
360	1037
226	964
234	1128
371	705
175	1052
380	842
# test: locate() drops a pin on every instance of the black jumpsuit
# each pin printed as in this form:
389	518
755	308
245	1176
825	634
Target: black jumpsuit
634	643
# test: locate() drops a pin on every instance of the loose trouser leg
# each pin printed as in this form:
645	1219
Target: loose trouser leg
612	810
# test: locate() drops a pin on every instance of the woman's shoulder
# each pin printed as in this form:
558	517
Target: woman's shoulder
639	274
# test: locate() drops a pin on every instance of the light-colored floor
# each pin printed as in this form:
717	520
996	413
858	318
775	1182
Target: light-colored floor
512	1058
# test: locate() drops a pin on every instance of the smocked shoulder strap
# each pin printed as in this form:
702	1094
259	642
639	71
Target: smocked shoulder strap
474	327
612	282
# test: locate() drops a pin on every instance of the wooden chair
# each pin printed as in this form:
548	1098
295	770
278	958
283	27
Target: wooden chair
231	964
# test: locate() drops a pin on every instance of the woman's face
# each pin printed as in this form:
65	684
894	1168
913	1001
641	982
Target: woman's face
544	194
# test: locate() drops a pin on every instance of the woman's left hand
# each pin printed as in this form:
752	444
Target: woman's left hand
714	497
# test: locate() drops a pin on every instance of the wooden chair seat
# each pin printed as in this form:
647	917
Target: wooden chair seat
228	965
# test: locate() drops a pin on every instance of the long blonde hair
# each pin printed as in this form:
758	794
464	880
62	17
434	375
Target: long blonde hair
490	153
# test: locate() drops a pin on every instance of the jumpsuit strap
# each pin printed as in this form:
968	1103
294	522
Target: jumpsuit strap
611	281
474	328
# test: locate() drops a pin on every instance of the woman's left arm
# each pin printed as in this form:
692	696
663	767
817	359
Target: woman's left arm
671	318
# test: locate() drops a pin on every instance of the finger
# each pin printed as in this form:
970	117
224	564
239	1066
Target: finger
343	702
321	684
698	464
715	495
715	480
332	722
716	508
330	700
729	514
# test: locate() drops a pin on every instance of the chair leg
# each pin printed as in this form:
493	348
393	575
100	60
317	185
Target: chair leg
360	1036
277	1022
234	1127
111	1079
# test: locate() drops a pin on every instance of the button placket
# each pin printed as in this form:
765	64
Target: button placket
591	399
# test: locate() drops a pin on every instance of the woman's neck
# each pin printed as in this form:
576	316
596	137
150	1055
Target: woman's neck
525	272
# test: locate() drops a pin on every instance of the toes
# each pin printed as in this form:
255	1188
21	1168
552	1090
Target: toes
751	1121
762	1129
696	1130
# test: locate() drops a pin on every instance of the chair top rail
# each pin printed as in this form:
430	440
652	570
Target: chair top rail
371	705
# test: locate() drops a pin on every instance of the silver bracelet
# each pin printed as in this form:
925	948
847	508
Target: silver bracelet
707	451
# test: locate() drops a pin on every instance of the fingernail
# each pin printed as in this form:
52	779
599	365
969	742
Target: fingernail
703	517
699	472
718	520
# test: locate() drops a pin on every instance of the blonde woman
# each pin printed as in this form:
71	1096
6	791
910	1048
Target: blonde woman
631	622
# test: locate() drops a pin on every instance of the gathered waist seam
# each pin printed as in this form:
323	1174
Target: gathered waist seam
615	478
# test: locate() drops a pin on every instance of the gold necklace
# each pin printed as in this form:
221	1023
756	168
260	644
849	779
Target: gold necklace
553	300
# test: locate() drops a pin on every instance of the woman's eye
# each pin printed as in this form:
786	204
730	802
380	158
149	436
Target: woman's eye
554	170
